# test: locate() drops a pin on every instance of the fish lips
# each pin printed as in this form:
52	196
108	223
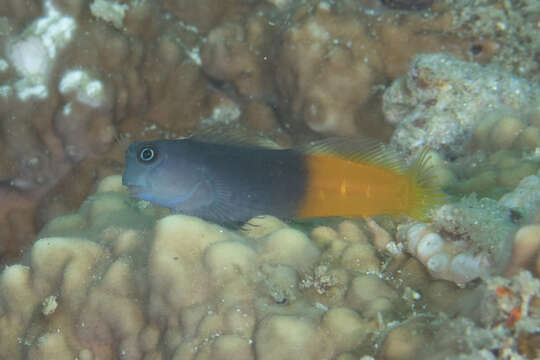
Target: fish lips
134	189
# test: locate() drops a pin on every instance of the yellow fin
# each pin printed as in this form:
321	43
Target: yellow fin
358	149
237	136
426	195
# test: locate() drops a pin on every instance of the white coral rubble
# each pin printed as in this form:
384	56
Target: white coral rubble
34	52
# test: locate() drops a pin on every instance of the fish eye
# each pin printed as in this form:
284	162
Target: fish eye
147	154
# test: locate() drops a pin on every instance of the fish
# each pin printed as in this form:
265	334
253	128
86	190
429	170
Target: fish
232	182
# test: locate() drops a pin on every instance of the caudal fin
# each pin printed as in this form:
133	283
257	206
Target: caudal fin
425	193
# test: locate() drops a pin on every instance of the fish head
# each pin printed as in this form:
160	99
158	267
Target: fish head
169	173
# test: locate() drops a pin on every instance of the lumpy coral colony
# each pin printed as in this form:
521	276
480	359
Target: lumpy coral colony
122	278
76	74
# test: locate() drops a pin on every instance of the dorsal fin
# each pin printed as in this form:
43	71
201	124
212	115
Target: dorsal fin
358	149
238	136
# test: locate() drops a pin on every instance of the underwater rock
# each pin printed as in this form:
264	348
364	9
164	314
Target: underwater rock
500	35
506	321
441	100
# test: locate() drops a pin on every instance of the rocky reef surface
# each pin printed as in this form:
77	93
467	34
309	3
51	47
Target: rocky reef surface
119	278
122	279
76	75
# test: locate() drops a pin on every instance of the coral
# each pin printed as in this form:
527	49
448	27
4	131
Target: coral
104	282
123	278
492	174
70	83
21	13
327	100
525	198
322	63
34	52
502	154
526	251
75	75
440	101
518	131
466	240
109	11
508	323
509	31
239	55
205	15
399	344
506	326
332	57
408	4
87	90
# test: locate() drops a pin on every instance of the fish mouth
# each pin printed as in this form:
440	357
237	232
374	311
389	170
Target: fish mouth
135	189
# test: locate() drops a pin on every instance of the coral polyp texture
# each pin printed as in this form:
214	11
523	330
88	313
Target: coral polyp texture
508	34
75	75
333	56
106	283
124	279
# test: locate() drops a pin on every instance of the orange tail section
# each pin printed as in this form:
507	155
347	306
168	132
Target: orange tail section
367	181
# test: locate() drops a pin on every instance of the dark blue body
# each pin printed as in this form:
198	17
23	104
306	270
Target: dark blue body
218	182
